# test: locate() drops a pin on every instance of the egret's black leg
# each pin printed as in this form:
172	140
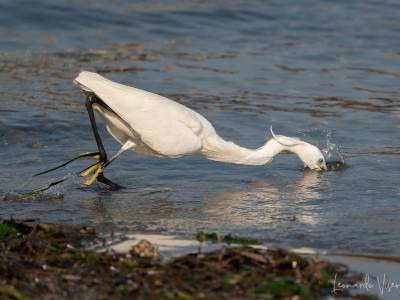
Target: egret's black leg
90	100
104	180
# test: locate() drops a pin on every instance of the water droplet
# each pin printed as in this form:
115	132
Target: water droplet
332	152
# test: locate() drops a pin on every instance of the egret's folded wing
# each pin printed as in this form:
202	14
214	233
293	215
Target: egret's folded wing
164	125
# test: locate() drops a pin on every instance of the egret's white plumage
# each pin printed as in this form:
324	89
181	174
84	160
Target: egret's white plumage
151	124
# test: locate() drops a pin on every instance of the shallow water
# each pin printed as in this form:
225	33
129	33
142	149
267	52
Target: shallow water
326	72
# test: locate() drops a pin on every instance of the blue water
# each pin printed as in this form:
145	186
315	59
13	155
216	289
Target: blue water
324	71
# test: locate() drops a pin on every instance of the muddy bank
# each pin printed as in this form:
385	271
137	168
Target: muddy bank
49	261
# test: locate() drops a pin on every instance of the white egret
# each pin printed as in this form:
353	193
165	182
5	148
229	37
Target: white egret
151	124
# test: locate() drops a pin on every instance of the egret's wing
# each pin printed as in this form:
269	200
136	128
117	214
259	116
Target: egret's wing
164	125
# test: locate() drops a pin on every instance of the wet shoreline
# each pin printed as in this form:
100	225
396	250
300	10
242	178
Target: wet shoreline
49	260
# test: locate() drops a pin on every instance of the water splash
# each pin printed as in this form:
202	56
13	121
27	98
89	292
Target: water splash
42	196
331	151
53	190
333	157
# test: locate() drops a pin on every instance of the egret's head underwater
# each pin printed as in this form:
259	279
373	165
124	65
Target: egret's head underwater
312	157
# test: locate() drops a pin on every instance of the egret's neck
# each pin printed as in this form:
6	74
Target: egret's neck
273	147
221	150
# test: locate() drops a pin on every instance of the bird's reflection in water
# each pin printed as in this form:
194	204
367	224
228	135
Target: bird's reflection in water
254	203
266	202
305	188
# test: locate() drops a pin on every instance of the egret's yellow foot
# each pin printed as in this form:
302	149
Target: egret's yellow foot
86	153
95	156
93	178
97	166
88	171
